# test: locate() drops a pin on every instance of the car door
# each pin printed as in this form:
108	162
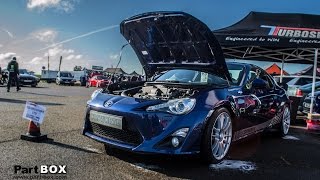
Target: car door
246	103
94	81
267	97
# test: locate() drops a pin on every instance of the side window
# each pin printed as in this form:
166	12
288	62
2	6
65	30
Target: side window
268	80
252	74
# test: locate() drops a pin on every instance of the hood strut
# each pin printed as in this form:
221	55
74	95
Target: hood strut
120	58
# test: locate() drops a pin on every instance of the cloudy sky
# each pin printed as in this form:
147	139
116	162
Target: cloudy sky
86	32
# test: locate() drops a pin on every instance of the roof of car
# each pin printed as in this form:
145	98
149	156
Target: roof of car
238	63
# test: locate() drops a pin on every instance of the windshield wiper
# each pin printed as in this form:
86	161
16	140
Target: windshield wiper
169	81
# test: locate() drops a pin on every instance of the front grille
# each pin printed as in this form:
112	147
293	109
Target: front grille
125	136
26	78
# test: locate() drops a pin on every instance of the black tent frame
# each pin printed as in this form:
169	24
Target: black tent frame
284	52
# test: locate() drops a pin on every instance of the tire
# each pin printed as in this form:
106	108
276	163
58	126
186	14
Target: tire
295	101
33	85
214	151
284	125
108	150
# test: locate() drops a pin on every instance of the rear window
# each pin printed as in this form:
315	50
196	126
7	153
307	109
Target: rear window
303	81
286	79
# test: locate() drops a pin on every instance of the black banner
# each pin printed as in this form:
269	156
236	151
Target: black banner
273	30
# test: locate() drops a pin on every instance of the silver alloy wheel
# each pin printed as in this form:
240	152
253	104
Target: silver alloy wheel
286	120
221	135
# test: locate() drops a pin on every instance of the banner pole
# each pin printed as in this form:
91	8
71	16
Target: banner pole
282	65
314	78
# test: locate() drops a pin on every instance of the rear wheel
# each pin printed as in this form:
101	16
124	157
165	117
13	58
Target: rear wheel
217	137
285	122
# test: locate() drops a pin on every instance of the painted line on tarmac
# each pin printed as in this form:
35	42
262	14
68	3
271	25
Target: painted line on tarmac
288	137
244	166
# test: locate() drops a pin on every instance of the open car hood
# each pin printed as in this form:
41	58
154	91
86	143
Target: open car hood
170	40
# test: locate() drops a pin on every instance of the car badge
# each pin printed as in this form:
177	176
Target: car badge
108	103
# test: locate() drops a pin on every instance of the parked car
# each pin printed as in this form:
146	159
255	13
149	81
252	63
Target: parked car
26	79
307	101
98	81
199	104
65	77
295	93
305	90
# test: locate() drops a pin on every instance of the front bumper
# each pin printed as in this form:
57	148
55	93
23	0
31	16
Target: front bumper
149	132
66	82
306	106
28	82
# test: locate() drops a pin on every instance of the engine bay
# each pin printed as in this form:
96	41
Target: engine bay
157	91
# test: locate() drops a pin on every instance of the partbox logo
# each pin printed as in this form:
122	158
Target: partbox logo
44	169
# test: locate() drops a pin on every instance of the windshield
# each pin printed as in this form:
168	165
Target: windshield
23	71
190	77
64	74
101	77
236	72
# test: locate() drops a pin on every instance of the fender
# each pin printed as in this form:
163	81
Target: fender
229	105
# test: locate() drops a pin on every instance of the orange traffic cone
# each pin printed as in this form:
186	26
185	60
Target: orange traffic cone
33	133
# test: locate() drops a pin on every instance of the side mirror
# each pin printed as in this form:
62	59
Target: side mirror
259	84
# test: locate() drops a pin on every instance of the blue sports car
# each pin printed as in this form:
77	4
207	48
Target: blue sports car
194	102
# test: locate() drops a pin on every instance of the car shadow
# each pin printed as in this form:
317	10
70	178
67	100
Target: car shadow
16	101
67	146
187	166
41	94
37	87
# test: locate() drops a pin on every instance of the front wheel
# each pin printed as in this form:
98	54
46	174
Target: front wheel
217	137
109	150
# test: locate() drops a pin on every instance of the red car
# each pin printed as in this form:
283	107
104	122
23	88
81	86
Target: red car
98	81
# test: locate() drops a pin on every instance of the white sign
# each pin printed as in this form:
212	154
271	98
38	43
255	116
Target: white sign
204	77
34	112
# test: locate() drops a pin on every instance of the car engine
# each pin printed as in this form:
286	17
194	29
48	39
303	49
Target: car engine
159	92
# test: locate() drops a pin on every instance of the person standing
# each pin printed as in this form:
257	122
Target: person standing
13	68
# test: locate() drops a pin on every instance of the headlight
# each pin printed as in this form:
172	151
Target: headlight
176	106
95	93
